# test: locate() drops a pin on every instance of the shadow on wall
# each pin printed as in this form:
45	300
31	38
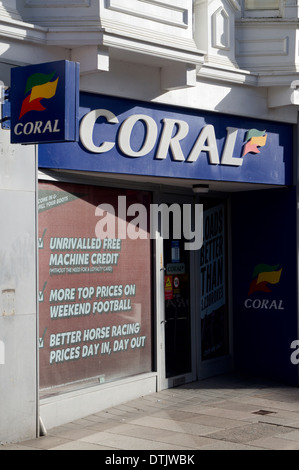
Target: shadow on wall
16	267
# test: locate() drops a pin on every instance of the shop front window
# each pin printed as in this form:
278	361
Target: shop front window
95	292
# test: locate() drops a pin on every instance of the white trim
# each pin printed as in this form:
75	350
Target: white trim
57	3
221	39
235	4
67	407
263	13
166	13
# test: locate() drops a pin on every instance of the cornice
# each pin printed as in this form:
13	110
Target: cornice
120	36
226	74
19	30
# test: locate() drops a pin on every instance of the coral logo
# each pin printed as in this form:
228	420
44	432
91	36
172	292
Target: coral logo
254	140
263	275
39	86
45	103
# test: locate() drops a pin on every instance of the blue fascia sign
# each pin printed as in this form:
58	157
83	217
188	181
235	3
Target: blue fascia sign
45	103
132	137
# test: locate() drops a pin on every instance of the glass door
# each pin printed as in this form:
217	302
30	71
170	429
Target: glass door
214	351
177	308
176	354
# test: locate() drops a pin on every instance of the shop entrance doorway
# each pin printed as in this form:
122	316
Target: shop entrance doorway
176	356
177	308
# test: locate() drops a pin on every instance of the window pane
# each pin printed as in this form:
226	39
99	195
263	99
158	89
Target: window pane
261	4
95	293
213	272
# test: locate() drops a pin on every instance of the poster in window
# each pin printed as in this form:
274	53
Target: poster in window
95	293
212	281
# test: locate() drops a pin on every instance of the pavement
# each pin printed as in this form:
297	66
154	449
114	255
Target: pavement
227	412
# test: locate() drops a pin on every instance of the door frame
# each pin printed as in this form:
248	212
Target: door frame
162	381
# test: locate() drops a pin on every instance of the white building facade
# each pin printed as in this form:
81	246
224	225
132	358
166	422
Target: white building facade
192	103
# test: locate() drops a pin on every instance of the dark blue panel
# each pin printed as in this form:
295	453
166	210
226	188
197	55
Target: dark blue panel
45	103
265	314
272	165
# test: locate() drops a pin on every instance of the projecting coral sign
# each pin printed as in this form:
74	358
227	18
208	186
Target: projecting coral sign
45	103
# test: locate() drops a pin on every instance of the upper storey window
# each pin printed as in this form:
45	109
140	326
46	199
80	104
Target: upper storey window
262	8
261	4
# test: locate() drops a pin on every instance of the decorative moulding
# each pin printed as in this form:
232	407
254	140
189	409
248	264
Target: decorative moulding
126	30
171	13
57	3
221	27
235	4
272	46
284	96
9	10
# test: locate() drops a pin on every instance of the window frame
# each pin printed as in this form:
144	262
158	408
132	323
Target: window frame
262	12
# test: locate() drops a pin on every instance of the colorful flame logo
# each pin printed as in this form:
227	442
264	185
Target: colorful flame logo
254	140
263	275
40	87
